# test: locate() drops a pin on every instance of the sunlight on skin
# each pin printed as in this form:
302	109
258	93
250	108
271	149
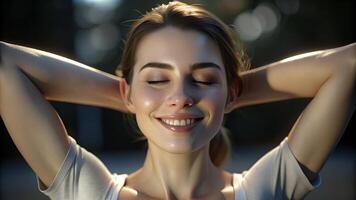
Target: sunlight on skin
304	55
40	53
318	54
175	159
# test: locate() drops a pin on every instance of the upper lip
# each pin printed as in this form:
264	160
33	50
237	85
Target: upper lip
180	116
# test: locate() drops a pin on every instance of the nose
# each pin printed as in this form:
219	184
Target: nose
180	98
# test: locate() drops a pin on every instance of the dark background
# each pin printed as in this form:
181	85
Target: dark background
92	32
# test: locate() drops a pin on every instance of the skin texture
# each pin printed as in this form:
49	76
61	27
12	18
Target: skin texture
175	160
29	77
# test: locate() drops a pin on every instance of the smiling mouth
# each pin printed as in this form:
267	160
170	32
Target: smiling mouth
179	125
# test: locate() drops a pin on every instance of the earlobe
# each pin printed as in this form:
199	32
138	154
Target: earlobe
125	94
228	107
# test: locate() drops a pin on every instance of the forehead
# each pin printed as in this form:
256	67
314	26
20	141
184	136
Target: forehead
178	47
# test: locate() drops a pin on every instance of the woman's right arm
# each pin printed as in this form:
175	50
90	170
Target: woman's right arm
61	79
33	124
27	78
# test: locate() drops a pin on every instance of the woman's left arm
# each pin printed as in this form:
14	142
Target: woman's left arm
328	77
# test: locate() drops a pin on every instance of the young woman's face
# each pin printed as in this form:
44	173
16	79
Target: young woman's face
179	89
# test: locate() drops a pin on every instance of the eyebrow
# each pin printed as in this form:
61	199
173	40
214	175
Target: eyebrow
195	66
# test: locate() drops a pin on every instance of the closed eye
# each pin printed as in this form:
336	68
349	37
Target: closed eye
203	82
157	82
164	81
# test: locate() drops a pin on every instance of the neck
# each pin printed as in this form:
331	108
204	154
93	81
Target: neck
181	175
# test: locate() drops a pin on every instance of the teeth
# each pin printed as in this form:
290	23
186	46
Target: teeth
175	122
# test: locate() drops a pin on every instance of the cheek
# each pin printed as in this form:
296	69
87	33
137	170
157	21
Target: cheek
146	99
214	102
216	99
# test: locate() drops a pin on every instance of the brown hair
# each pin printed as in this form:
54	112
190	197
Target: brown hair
192	17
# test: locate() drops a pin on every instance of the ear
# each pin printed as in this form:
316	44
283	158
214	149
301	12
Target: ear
125	95
233	95
231	102
229	106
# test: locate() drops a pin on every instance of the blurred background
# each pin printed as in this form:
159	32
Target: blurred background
93	31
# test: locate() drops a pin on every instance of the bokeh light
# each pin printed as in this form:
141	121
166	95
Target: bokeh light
251	25
96	32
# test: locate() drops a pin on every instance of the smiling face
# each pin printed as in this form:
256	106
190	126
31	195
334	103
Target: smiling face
179	89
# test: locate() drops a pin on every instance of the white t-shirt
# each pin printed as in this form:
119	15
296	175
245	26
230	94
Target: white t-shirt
276	175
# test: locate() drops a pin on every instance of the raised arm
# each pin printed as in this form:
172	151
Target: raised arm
328	77
27	76
62	79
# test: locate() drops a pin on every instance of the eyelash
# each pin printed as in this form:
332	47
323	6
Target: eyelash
203	82
155	82
160	82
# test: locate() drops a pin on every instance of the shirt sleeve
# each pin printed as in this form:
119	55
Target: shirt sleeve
277	175
81	176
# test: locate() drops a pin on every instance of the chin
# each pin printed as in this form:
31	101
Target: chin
182	146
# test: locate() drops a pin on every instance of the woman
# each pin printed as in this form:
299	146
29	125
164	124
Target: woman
179	97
